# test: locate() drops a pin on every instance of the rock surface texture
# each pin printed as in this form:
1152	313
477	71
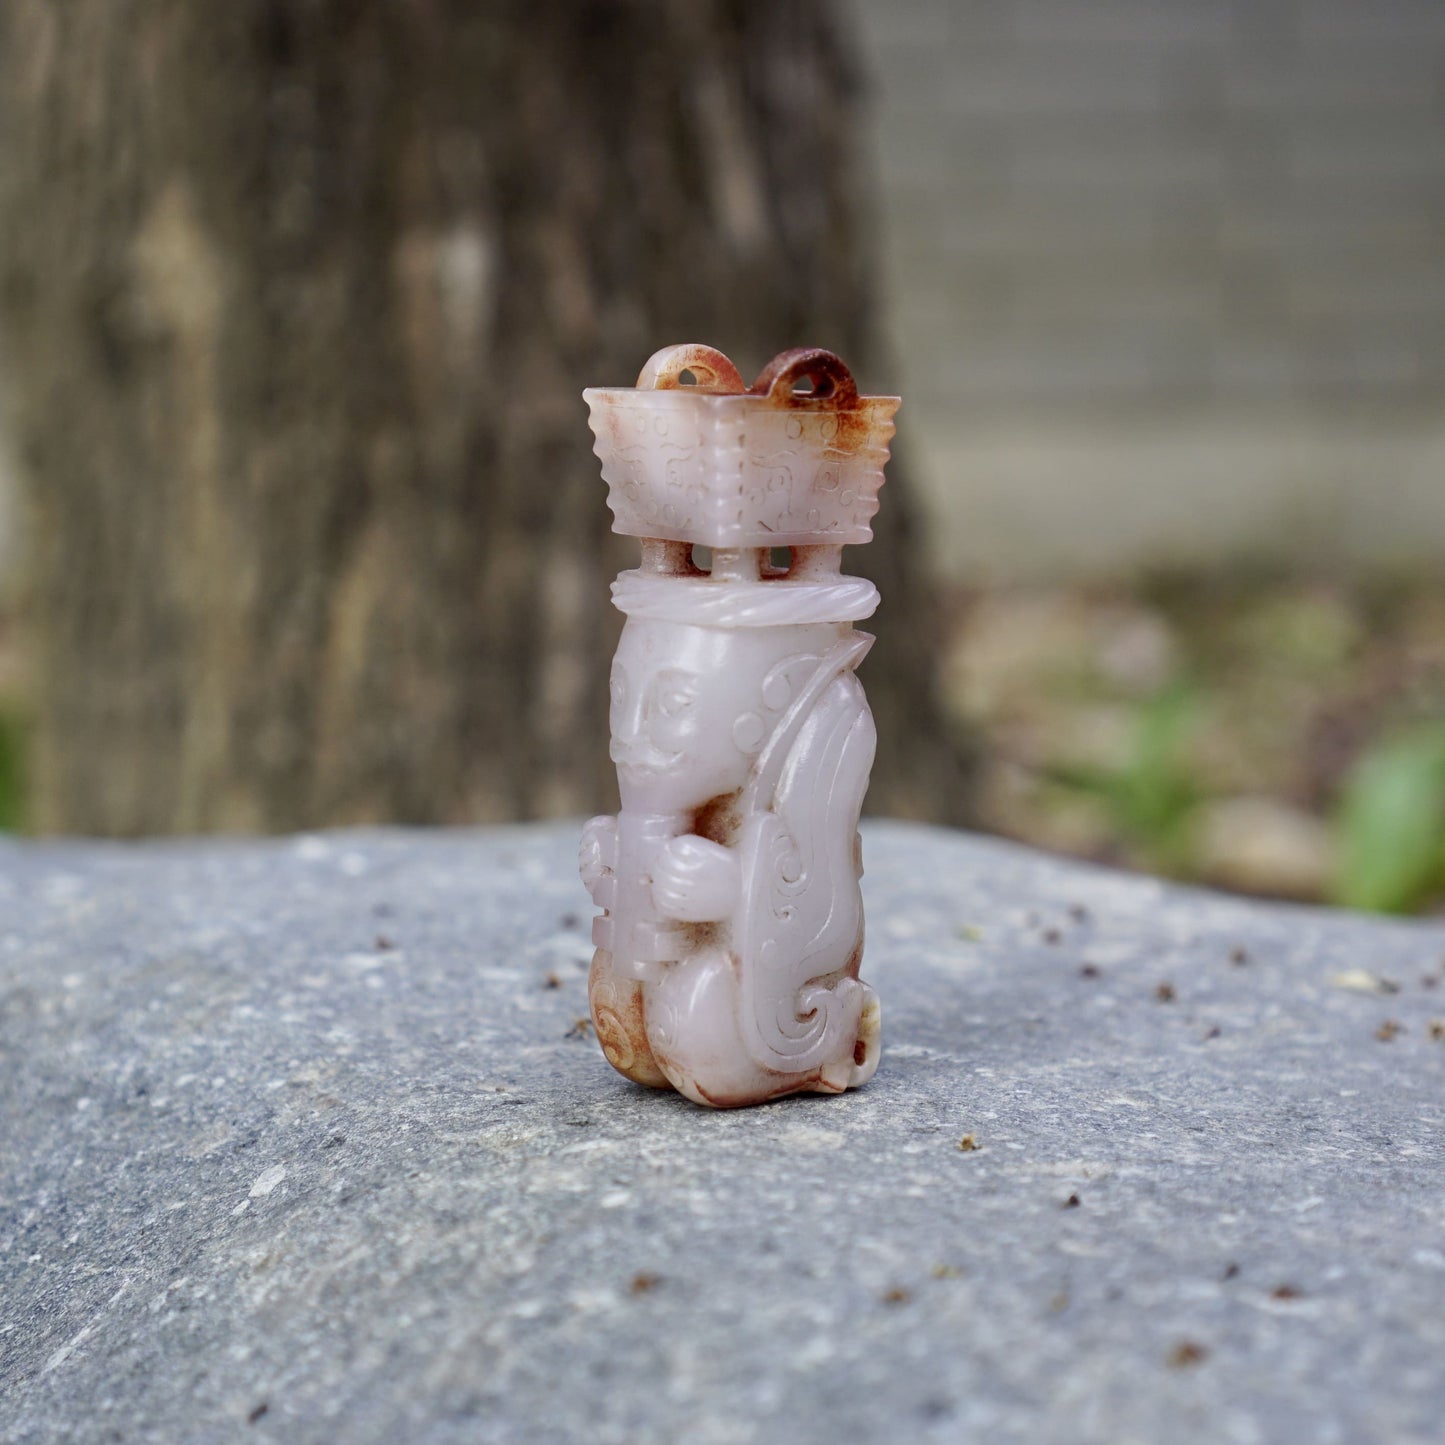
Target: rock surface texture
303	1140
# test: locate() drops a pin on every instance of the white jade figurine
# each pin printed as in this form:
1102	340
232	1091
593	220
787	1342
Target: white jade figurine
728	950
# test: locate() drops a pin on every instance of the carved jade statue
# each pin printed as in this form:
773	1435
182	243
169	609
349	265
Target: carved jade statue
728	949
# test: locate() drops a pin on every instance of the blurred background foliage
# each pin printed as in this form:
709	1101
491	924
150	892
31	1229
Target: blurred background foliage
1271	735
1160	283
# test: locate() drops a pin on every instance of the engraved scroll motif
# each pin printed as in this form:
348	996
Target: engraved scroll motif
802	915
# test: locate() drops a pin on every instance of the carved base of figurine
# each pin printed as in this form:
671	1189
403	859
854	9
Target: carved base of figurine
683	1033
619	1018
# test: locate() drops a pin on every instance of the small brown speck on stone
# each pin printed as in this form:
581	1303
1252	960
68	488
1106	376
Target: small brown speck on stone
1387	1030
551	981
1052	935
897	1296
1164	992
1436	1028
1213	1032
644	1282
1185	1354
383	943
1239	955
1284	1292
968	1143
1231	1271
1089	970
1072	1202
580	1029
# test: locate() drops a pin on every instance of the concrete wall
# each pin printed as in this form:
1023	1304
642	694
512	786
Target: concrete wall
1166	278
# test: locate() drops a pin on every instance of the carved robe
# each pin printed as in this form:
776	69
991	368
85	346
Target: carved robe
764	1000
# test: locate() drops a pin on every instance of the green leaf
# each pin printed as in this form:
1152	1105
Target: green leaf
1391	823
1153	797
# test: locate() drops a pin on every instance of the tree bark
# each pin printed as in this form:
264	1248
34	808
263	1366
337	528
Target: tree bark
298	297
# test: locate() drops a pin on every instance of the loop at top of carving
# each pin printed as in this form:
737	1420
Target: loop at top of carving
831	379
711	370
715	465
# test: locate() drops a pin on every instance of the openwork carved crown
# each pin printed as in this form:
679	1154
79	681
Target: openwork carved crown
713	463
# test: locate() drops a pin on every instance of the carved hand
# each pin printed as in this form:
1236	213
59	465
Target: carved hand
695	880
597	856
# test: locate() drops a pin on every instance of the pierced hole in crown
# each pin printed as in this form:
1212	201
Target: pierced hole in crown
700	559
777	562
813	386
688	377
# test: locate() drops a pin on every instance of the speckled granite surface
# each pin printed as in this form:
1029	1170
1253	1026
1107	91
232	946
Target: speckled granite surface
300	1141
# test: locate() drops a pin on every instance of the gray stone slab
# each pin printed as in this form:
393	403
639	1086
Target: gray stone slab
300	1143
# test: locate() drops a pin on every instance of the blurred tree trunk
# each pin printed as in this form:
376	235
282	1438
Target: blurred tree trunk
297	300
